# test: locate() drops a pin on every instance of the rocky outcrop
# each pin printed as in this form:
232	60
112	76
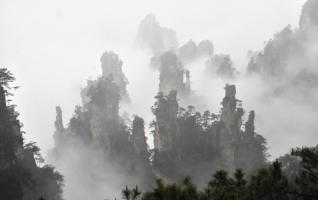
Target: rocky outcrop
230	126
11	140
289	60
112	68
104	110
165	110
309	17
191	51
97	135
173	75
249	125
142	155
231	114
188	142
221	65
22	176
138	137
156	38
59	127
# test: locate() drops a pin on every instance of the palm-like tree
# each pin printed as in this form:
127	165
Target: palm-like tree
135	193
126	193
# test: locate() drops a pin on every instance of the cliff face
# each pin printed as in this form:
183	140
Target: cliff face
22	178
112	68
155	37
173	76
104	111
11	144
221	65
96	135
138	137
191	51
231	115
288	60
97	121
141	153
59	127
230	129
187	141
165	110
309	16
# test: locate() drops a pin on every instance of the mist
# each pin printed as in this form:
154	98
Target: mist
53	48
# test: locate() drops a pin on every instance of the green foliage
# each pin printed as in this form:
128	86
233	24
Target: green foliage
185	190
131	194
35	150
20	176
191	142
6	77
307	179
48	183
13	180
222	187
268	183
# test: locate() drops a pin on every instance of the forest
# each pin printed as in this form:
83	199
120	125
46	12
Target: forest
185	150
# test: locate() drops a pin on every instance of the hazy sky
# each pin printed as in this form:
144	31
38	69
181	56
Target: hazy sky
53	47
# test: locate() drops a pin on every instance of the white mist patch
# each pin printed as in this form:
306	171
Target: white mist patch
208	88
53	48
285	120
142	88
87	175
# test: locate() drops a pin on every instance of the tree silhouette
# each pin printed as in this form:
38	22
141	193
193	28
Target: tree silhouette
20	175
307	179
126	193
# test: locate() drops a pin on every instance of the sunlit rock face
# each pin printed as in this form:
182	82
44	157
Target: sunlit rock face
173	76
157	39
